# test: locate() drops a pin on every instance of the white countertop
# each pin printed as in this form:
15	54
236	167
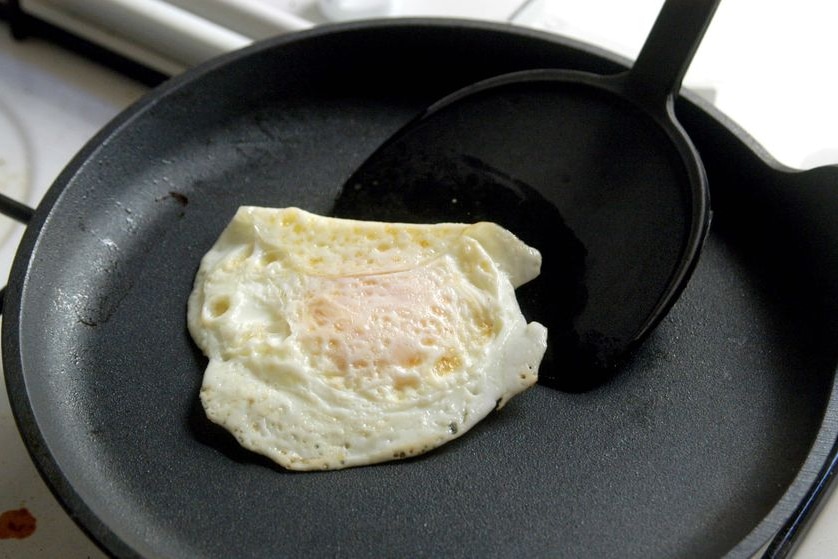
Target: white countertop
769	64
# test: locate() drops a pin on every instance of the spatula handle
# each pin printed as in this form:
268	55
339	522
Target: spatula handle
669	48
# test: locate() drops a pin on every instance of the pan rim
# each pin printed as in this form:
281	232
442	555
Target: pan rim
16	381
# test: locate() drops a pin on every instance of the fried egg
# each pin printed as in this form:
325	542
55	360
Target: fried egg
335	343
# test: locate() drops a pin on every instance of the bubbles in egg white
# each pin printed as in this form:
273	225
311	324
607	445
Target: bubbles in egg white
336	343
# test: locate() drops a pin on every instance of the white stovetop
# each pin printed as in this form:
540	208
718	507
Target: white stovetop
768	63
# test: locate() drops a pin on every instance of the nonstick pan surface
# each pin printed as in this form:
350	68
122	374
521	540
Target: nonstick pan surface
702	445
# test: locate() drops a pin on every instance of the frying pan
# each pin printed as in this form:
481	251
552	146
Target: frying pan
712	437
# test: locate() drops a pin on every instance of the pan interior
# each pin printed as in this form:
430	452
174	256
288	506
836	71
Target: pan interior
682	455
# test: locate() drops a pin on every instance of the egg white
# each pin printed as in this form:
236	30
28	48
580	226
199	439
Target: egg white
336	343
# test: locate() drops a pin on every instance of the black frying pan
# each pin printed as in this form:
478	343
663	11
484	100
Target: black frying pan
704	445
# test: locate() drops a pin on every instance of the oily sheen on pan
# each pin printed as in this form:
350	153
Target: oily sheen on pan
336	343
